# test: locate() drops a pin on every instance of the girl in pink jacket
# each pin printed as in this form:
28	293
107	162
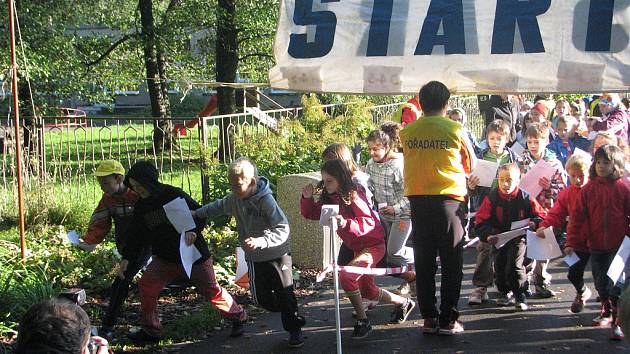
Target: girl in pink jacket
360	230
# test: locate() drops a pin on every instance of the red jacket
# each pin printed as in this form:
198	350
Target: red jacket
560	213
363	228
603	211
498	211
118	208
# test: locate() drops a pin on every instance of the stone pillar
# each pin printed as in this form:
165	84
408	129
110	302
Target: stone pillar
306	235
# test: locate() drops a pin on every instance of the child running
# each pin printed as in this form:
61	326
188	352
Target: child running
503	206
577	167
361	231
603	209
151	227
263	233
386	169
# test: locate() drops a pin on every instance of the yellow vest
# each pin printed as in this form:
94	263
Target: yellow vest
437	157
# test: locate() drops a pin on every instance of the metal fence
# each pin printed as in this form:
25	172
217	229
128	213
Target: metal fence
62	153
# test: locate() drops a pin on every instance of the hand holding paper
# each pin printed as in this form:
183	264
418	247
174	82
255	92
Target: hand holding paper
530	183
542	248
178	213
619	262
188	254
328	211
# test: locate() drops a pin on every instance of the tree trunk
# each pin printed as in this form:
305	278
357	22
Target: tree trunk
156	78
226	66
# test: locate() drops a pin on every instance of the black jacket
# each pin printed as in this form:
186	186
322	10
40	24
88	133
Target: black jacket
151	226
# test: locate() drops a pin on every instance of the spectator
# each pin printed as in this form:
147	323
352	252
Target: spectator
57	326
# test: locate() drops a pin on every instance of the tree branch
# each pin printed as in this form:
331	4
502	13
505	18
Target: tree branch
260	55
122	40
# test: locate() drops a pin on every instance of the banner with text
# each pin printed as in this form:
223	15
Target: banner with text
473	46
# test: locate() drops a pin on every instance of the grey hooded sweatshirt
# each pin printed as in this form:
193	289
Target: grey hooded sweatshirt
257	216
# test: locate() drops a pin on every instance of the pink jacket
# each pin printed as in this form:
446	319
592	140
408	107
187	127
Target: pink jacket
363	228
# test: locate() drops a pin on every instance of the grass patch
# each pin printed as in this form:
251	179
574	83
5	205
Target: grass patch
191	325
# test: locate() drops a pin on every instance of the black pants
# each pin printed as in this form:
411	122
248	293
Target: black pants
600	262
437	229
120	288
576	271
510	269
271	285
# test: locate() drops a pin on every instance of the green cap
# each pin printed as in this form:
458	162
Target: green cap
109	167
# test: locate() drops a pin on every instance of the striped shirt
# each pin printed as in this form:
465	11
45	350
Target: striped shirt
387	183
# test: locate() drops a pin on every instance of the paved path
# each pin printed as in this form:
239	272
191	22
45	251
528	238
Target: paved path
548	326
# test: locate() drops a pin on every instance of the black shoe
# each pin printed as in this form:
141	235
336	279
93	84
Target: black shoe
361	329
142	337
295	339
237	328
401	312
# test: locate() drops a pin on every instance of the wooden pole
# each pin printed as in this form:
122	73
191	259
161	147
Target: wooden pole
16	115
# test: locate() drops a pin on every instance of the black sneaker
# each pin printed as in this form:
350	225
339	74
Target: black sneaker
237	329
401	312
142	337
361	329
295	339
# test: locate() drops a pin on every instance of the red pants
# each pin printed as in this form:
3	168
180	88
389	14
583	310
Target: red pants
355	284
160	272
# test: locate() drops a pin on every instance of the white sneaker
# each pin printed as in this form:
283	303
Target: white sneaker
367	305
478	296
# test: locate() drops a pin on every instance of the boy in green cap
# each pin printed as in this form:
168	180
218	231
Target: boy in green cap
116	205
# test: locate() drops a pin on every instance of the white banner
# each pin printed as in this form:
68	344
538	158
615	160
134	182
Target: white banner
473	46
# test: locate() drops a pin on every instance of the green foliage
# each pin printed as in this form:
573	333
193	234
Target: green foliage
193	325
222	241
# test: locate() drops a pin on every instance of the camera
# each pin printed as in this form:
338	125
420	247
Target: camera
75	295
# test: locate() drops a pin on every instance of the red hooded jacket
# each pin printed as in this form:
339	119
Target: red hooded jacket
363	228
603	211
561	212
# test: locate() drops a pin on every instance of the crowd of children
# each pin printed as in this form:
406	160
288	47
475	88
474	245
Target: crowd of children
380	211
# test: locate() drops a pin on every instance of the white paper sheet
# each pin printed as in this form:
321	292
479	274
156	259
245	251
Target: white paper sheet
520	224
472	242
189	254
518	149
591	135
542	249
619	262
505	237
179	215
241	265
529	182
73	237
571	259
486	171
328	210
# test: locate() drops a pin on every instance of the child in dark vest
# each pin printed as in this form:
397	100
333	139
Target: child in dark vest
497	212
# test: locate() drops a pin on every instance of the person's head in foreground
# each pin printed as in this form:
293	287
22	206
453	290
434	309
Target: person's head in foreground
56	326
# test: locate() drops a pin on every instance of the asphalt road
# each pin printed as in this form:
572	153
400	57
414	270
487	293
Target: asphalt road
547	326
